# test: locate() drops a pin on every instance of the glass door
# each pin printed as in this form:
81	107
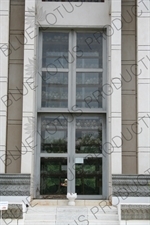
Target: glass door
71	156
88	156
53	156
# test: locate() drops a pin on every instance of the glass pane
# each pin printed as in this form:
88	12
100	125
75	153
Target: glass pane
89	140
55	50
53	176
53	134
55	90
88	90
91	47
89	177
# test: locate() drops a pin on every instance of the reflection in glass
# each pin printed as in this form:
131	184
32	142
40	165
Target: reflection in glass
88	90
53	174
55	50
55	90
89	177
53	134
89	78
89	140
91	46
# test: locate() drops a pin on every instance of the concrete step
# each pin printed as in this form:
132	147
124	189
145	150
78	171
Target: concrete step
41	222
71	215
44	222
40	217
87	223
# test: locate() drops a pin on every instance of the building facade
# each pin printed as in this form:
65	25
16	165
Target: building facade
75	104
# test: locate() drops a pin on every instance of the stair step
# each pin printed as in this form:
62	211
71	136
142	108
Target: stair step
71	215
86	222
40	223
41	217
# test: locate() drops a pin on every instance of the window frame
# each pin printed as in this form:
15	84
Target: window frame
72	79
102	112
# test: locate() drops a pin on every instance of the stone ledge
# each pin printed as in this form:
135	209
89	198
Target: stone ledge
14	184
135	212
131	185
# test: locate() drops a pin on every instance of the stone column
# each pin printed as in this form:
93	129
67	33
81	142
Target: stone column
143	74
115	91
29	88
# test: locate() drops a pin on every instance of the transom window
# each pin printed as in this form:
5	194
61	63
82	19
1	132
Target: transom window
72	70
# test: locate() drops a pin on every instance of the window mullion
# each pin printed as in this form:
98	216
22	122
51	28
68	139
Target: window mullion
38	159
104	72
69	72
72	70
39	95
74	67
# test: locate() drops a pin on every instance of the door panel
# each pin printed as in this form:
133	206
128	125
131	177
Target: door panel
53	156
54	134
53	176
89	134
88	155
89	176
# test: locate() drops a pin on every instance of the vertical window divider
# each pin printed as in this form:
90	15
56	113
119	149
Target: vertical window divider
74	50
69	73
39	99
72	71
104	71
38	157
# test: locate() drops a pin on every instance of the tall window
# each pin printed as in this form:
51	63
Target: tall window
71	113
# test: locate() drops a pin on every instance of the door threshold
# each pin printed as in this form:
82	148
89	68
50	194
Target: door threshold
64	202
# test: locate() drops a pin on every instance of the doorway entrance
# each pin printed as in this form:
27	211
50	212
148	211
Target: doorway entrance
71	155
71	114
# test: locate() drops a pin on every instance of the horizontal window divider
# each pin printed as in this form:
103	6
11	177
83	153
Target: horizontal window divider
77	155
56	155
89	70
90	111
55	70
53	110
89	155
89	85
75	111
74	1
55	100
56	85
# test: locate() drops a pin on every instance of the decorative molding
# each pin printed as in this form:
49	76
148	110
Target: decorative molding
131	185
135	212
15	211
14	184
